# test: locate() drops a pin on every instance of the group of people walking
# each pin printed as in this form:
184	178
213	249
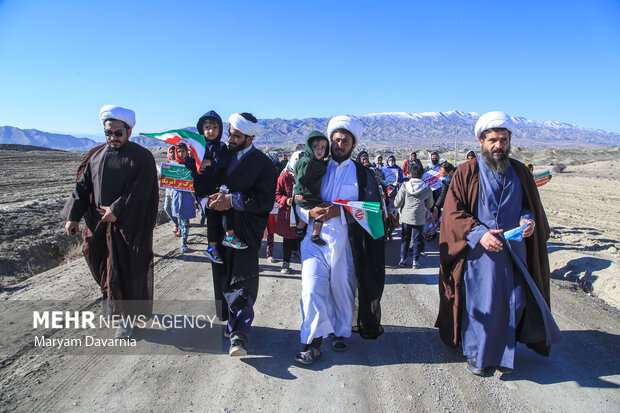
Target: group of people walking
493	291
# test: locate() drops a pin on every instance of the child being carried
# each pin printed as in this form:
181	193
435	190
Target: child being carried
309	172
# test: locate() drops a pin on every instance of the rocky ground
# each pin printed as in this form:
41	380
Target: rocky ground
406	369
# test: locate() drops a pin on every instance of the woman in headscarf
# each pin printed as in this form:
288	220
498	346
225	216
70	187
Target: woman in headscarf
284	197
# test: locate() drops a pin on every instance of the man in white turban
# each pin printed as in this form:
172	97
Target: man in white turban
116	193
350	257
494	289
251	181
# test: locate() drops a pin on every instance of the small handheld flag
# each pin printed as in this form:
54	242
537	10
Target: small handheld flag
542	178
367	214
194	141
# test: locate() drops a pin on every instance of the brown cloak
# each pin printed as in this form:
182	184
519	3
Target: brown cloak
457	220
120	254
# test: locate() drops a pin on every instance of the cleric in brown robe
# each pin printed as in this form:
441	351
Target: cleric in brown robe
494	288
116	193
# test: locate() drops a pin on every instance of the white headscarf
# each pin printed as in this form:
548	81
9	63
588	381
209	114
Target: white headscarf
495	119
244	126
345	122
292	161
116	112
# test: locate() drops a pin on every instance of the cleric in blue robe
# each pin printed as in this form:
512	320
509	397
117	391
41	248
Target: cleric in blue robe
494	291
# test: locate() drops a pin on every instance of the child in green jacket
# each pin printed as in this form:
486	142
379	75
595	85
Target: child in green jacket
309	172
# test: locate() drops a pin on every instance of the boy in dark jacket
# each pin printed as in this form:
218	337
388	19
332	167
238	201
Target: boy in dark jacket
309	172
207	181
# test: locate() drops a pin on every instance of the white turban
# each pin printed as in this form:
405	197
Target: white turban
345	122
495	119
244	126
116	112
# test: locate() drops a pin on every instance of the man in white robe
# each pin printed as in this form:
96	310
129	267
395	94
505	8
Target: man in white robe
329	271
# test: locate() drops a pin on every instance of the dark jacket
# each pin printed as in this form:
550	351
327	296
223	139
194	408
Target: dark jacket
309	173
369	267
443	191
209	178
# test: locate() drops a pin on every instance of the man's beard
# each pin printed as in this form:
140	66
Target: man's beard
341	158
498	164
236	147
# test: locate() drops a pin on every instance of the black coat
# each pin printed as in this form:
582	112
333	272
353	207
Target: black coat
369	261
208	180
255	178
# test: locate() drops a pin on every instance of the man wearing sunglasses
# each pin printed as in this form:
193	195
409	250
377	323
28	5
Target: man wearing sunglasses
116	193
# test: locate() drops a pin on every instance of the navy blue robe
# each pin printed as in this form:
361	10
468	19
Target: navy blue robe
497	285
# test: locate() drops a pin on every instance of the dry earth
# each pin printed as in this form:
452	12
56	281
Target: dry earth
406	369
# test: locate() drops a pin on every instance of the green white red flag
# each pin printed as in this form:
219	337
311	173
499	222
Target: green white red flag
194	141
542	178
367	214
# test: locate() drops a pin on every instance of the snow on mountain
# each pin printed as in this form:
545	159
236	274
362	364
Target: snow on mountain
389	129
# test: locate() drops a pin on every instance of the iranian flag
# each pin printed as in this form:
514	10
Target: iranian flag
542	178
195	142
367	214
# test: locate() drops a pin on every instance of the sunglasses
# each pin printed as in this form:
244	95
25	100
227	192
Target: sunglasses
118	133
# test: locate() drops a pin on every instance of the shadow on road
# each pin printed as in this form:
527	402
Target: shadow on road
585	357
272	351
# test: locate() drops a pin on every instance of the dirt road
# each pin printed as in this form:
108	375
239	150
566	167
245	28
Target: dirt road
406	369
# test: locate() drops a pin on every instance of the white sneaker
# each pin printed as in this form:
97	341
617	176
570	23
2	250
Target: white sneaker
415	265
124	330
285	267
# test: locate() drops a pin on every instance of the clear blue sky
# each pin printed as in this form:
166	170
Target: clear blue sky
171	61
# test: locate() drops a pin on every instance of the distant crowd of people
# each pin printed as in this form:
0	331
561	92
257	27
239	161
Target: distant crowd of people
493	271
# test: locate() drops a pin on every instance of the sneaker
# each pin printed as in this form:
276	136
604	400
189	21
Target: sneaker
300	232
285	267
184	248
124	330
415	265
226	332
202	221
471	367
271	259
237	344
402	263
229	242
212	254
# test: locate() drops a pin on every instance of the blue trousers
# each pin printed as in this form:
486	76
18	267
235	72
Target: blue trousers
411	233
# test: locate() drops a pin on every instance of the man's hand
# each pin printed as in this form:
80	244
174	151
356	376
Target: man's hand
289	201
325	213
219	201
527	232
72	228
299	197
435	214
205	163
108	216
490	242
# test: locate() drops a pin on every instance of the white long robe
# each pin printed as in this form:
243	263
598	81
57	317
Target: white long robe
328	273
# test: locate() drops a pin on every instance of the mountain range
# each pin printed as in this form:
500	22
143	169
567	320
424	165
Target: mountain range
13	135
390	130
